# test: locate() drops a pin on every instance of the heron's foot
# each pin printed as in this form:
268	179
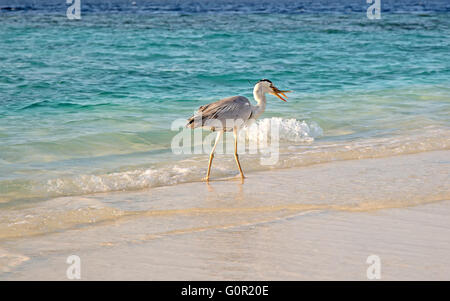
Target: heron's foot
205	179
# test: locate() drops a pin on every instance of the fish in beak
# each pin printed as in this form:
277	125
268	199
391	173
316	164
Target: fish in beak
277	92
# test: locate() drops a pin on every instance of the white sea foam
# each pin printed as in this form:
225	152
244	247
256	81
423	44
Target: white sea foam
118	181
290	130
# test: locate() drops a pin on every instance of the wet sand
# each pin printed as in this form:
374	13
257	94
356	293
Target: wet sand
312	223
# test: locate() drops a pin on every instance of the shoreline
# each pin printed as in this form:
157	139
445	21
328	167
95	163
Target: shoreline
278	225
139	174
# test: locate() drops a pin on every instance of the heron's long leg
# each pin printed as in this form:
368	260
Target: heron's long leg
236	156
211	156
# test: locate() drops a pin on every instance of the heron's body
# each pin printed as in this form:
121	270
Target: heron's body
231	114
217	113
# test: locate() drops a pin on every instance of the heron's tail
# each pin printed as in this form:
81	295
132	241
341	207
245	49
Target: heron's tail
191	124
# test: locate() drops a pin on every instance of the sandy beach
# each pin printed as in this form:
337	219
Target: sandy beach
319	222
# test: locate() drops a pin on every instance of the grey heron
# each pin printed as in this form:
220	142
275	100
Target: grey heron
231	114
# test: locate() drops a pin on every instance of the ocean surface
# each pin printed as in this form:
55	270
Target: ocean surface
86	105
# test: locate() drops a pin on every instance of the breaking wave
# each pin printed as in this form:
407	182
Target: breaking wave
289	130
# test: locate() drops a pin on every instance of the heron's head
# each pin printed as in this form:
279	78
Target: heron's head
268	87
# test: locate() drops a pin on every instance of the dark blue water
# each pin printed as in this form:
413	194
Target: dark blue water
229	6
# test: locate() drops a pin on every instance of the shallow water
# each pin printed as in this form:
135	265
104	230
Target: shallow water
86	106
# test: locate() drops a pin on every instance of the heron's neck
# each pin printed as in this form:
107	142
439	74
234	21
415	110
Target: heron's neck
260	98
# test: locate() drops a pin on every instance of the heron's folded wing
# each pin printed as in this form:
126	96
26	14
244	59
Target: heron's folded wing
236	108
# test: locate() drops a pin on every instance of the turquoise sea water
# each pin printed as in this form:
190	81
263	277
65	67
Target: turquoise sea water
86	105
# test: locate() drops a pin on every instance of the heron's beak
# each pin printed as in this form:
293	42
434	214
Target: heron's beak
277	93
